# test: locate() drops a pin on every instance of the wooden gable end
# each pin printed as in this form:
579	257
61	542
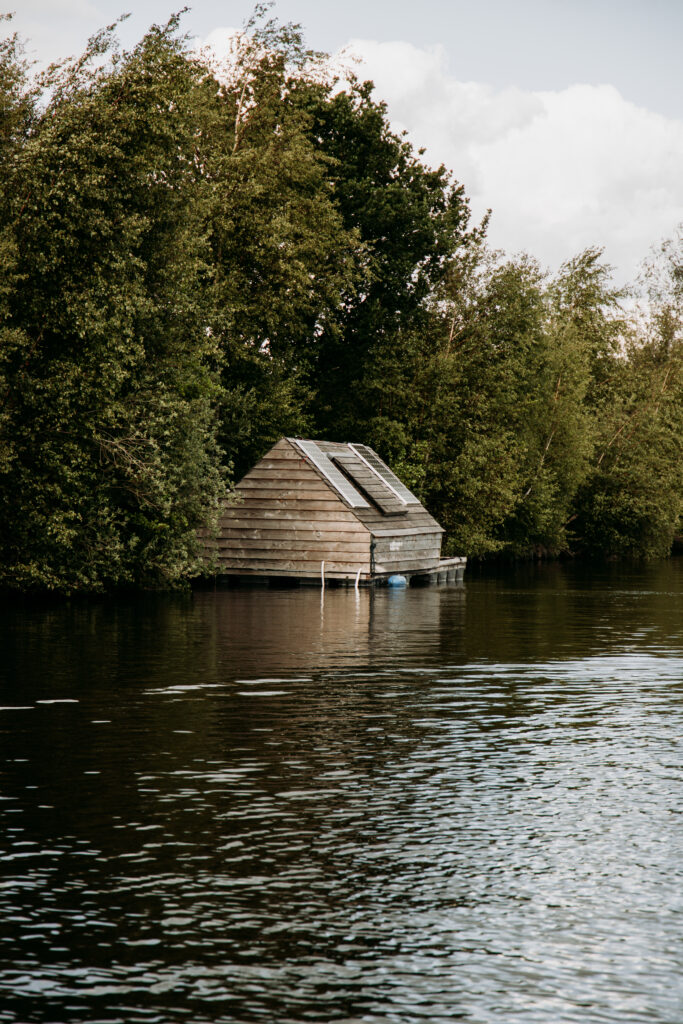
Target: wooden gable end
287	520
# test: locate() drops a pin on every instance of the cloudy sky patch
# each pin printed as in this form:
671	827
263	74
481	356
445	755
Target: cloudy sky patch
561	169
565	119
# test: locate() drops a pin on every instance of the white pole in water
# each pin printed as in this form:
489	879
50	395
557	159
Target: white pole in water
357	579
322	575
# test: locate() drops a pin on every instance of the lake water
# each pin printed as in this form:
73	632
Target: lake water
424	805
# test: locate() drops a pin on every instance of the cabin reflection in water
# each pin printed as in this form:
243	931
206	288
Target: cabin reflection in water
270	632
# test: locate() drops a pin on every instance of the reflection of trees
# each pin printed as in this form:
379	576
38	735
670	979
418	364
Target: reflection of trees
573	610
272	763
166	672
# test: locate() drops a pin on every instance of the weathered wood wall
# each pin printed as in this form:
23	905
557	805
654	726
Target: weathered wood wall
408	551
287	521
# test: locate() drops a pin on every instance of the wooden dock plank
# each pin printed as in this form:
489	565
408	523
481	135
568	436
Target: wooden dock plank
310	568
411	565
348	575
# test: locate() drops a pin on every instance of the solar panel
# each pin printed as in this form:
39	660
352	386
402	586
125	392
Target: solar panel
341	484
383	471
370	483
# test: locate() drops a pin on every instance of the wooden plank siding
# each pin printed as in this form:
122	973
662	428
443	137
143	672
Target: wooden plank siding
287	520
284	511
333	571
288	531
408	553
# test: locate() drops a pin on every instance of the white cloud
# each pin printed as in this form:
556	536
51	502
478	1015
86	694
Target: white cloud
560	170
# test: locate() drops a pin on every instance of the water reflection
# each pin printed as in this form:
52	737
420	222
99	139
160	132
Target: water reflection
423	805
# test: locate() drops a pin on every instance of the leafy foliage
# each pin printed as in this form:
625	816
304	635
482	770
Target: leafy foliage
411	220
631	502
113	462
197	258
281	255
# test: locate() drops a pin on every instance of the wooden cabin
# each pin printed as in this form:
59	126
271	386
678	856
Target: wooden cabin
318	511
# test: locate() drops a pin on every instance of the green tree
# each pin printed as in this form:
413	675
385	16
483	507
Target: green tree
581	327
631	502
282	257
110	369
506	426
662	282
411	220
17	113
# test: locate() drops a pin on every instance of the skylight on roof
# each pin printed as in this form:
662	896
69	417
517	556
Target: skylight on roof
370	483
332	474
382	470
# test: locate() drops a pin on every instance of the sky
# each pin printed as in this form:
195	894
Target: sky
564	117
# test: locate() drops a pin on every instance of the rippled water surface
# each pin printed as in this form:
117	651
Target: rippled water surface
441	804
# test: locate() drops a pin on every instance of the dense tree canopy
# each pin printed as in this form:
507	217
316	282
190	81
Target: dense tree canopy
412	221
110	395
196	258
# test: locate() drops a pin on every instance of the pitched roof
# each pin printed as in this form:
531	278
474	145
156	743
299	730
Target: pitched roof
366	485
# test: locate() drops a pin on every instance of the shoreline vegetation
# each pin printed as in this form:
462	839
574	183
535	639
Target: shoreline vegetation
198	258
